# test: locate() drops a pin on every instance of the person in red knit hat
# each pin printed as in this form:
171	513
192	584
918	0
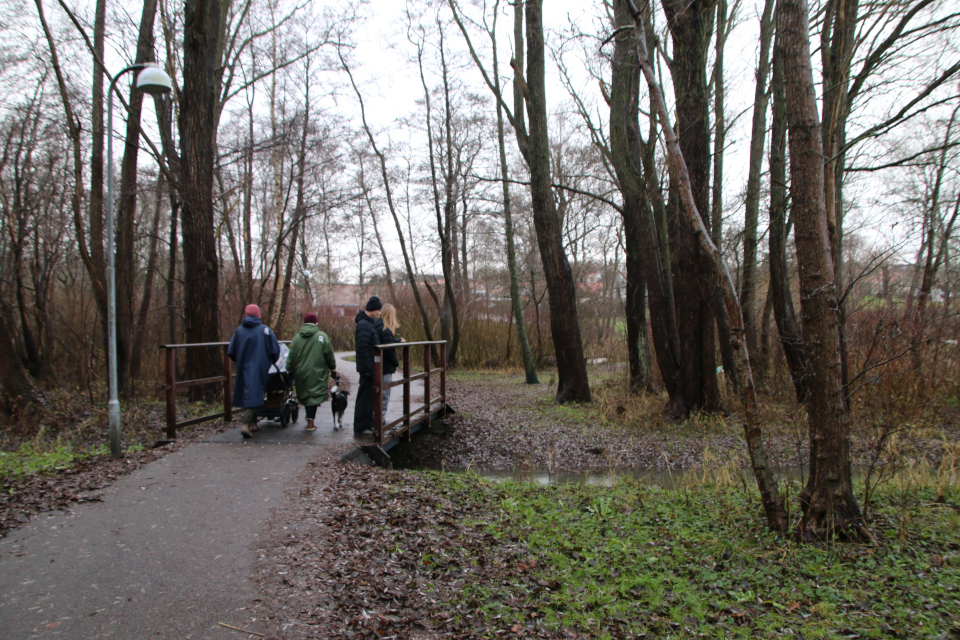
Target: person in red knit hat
254	348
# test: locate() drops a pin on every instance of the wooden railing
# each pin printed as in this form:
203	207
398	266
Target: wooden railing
401	427
172	384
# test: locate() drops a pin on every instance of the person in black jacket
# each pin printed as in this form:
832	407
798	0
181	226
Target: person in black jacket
366	336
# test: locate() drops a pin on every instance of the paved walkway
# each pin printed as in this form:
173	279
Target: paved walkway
170	550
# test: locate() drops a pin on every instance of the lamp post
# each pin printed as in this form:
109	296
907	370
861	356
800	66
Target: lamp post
153	80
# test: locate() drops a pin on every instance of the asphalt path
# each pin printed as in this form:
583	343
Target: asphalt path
169	551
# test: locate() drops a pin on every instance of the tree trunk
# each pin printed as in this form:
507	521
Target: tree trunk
627	149
691	23
31	351
517	119
248	211
164	109
837	45
769	496
748	283
95	268
18	394
197	104
136	351
127	209
788	328
449	228
529	365
299	210
716	203
95	212
719	126
763	366
573	385
279	210
380	244
445	208
932	210
657	259
828	503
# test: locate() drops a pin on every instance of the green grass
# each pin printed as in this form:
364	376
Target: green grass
44	457
698	562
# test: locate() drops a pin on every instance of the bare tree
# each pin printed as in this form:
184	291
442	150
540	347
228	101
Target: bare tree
827	500
769	496
127	206
411	274
691	23
781	300
529	363
530	90
445	206
758	131
643	255
198	101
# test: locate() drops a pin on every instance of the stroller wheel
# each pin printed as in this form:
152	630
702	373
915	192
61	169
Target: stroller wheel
285	416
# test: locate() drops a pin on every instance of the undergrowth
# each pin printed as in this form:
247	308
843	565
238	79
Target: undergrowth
41	456
635	560
71	428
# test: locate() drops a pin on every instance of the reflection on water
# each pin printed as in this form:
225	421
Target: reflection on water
667	479
545	477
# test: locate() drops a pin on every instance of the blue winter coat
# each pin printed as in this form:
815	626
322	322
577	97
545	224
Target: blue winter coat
254	348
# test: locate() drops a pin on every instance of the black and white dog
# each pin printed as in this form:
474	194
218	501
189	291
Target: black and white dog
338	403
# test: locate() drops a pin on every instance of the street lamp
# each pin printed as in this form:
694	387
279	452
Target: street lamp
153	80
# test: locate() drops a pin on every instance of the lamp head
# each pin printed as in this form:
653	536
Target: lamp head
154	80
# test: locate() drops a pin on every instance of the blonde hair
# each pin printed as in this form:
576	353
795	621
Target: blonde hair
389	317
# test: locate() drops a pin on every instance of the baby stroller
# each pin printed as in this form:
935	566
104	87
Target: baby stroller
280	400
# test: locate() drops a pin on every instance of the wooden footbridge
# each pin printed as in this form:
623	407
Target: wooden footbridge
418	411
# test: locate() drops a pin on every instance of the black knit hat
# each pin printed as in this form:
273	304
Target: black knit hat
374	304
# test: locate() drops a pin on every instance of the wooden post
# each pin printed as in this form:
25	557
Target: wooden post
443	377
171	376
406	392
427	365
378	395
227	391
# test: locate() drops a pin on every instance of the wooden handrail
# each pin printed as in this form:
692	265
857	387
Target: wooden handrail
395	345
401	427
172	384
205	344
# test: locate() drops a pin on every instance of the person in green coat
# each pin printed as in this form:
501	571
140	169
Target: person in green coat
310	362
